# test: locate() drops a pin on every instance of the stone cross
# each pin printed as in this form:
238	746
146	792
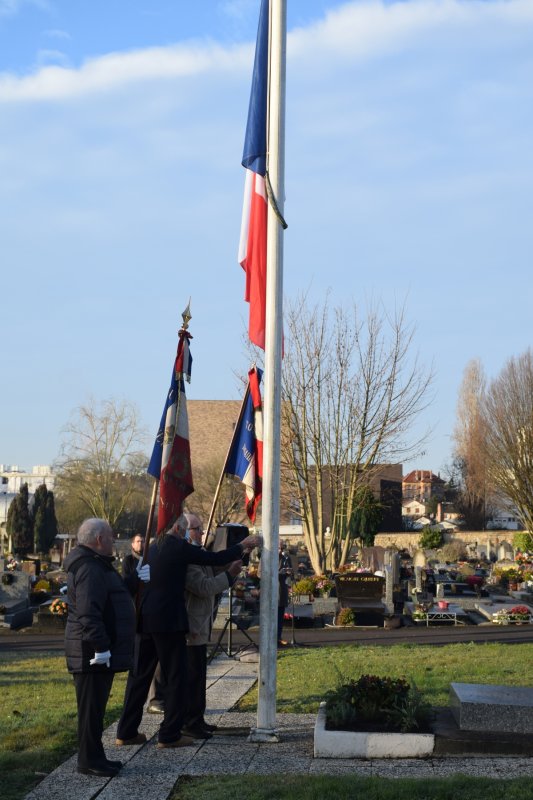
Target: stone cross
418	579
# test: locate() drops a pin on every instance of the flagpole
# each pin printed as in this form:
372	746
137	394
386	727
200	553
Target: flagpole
151	512
266	731
235	432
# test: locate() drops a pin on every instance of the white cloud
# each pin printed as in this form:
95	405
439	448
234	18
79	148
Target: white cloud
118	69
46	57
57	33
363	29
239	9
8	8
355	31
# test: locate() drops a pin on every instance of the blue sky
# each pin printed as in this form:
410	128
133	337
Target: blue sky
409	172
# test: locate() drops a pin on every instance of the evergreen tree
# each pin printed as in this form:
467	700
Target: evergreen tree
430	539
44	519
366	517
19	522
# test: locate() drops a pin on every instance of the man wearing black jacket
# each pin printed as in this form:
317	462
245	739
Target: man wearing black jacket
99	635
164	625
131	561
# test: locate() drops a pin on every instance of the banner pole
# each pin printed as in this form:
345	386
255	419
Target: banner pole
219	485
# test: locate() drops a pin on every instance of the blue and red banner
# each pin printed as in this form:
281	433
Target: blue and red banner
253	241
245	459
170	463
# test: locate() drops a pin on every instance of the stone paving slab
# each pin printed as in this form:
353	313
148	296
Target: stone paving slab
149	772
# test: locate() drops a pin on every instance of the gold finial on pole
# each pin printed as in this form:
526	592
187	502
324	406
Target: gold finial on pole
186	316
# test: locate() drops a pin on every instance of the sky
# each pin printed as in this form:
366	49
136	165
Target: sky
409	174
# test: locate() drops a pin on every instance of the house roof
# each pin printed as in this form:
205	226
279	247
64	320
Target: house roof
422	476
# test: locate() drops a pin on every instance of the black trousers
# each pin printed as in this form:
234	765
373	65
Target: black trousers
92	694
171	652
196	685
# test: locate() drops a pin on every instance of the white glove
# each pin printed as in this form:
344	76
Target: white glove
143	571
63	590
101	658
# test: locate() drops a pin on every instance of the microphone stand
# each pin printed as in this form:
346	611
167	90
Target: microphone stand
293	642
231	619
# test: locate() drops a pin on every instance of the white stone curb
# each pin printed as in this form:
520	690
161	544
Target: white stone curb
347	744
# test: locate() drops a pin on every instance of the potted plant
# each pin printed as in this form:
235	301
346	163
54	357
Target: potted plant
520	614
346	618
323	585
374	716
305	586
59	607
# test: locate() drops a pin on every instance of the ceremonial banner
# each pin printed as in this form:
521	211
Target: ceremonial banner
170	463
245	459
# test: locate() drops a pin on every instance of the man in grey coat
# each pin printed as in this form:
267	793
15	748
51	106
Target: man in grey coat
201	587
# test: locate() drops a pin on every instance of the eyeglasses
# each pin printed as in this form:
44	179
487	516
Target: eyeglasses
196	528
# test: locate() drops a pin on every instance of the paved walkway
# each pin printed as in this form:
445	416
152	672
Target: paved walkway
149	772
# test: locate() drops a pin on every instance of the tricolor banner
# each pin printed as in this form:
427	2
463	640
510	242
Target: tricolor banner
245	459
170	463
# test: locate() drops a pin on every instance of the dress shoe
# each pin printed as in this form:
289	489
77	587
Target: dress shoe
139	739
155	709
282	643
100	772
208	726
183	741
197	732
114	764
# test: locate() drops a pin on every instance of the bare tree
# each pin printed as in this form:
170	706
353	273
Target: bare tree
469	463
231	500
351	390
508	415
102	468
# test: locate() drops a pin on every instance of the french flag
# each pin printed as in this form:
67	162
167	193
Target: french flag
253	240
170	463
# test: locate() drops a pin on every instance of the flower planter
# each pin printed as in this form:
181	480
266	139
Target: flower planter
391	623
349	744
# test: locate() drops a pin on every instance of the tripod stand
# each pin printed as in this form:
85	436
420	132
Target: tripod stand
230	620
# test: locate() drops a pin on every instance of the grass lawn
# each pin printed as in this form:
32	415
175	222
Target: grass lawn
302	787
38	717
305	674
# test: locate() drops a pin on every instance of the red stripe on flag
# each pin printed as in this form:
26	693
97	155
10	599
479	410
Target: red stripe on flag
254	262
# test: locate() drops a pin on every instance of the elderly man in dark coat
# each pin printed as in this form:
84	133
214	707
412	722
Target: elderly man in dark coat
99	637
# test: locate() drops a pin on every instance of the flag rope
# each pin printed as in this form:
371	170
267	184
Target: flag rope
274	203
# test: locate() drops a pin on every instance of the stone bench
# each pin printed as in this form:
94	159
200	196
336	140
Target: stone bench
481	707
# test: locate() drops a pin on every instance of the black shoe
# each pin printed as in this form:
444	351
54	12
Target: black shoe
197	732
114	764
104	771
208	727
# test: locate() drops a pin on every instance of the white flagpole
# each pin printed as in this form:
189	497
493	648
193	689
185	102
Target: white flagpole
266	710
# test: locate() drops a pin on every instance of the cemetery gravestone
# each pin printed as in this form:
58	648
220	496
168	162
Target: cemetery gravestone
480	707
15	611
363	594
392	560
389	590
